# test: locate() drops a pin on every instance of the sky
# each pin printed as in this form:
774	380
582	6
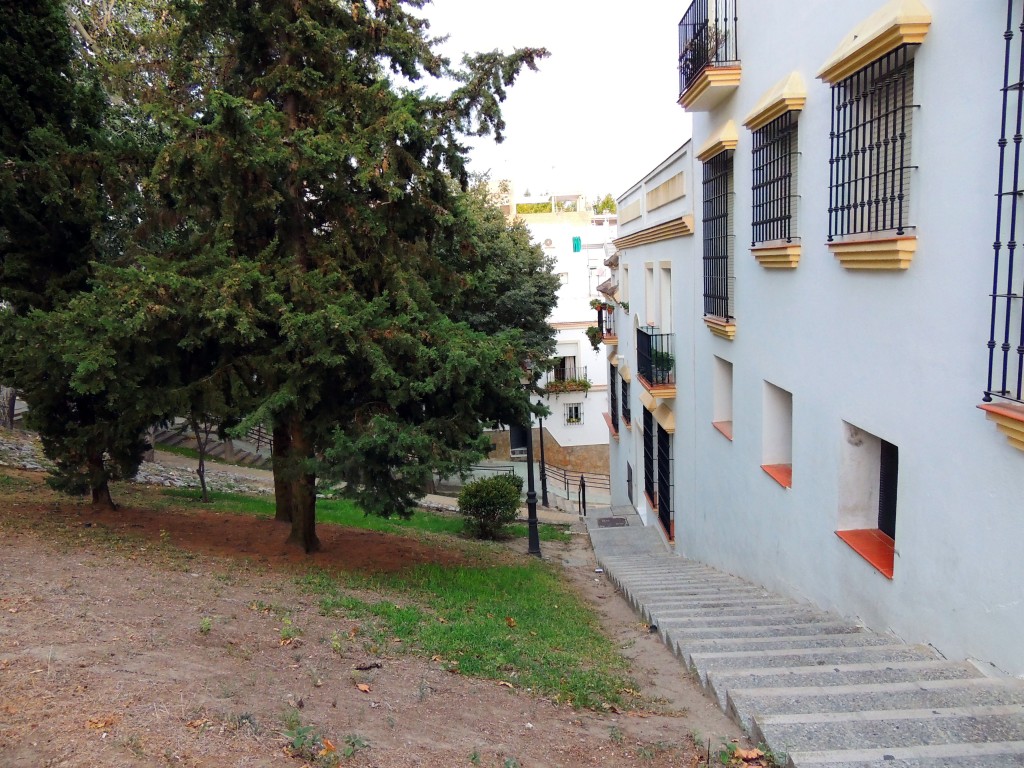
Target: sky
601	112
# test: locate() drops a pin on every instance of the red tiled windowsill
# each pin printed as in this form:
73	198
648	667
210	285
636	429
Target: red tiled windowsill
725	427
874	546
611	427
780	473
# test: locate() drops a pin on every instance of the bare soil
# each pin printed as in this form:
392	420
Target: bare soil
104	660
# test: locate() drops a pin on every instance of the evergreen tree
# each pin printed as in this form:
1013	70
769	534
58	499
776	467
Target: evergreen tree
308	185
59	181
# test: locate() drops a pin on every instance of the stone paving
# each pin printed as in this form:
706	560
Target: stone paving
812	686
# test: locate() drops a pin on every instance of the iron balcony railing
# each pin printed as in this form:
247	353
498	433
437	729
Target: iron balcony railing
707	38
607	323
569	379
655	362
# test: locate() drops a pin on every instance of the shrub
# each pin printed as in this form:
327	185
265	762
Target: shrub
490	504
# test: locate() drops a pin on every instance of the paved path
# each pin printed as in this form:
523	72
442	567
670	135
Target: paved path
811	685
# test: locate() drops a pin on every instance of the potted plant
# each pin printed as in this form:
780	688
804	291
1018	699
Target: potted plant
594	335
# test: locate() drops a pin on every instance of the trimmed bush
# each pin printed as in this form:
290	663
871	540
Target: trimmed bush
489	504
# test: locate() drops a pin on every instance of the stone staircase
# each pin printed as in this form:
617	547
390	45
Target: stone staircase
811	685
238	452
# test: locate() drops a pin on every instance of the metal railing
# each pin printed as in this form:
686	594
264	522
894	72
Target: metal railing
654	359
606	321
569	479
707	38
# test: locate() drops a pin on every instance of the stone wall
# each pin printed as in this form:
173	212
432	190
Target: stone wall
579	458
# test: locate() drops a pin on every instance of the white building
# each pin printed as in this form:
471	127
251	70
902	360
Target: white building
576	436
836	318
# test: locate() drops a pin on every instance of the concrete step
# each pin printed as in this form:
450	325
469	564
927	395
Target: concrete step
749	651
997	754
889	728
779	612
720	682
745	704
683	633
716	661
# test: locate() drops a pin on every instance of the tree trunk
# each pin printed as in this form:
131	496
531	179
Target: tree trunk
281	453
7	398
101	498
303	491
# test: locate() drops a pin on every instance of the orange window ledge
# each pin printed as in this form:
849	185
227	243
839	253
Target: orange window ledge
874	546
780	473
725	427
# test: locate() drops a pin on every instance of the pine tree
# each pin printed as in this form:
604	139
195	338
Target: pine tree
308	184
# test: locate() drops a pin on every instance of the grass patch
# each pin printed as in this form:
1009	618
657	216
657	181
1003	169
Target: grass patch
515	623
345	512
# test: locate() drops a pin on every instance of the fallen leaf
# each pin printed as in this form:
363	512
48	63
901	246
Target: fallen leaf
199	722
286	641
99	723
353	632
510	621
436	658
749	754
363	687
329	747
506	684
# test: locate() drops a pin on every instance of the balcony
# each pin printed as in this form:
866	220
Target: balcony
709	59
655	362
569	379
606	322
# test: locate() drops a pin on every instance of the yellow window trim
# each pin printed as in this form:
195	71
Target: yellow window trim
720	327
710	88
725	138
785	256
630	212
665	231
1009	420
895	252
624	373
787	95
899	22
666	192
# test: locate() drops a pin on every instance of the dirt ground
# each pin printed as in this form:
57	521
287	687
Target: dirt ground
104	660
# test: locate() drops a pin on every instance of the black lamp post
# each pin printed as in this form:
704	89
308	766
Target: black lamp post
543	467
531	493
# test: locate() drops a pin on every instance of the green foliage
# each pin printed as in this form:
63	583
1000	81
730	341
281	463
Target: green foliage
605	204
594	336
490	504
557	386
528	208
516	623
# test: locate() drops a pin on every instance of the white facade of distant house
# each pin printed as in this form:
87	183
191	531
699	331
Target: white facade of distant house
576	418
834	379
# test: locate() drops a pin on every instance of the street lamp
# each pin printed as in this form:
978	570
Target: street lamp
531	493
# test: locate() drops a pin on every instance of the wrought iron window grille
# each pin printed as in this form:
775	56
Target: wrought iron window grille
574	414
613	399
665	480
870	161
773	189
1005	379
650	487
719	276
627	417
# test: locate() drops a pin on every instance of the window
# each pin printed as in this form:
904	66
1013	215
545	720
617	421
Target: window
649	485
774	180
613	399
665	482
627	417
868	484
1005	380
721	413
563	278
718	236
870	163
573	413
777	435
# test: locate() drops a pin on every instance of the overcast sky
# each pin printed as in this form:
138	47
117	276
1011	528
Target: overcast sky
601	112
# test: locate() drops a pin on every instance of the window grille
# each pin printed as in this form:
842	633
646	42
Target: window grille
665	480
1006	329
574	414
888	476
649	487
627	416
613	399
718	236
774	180
869	167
